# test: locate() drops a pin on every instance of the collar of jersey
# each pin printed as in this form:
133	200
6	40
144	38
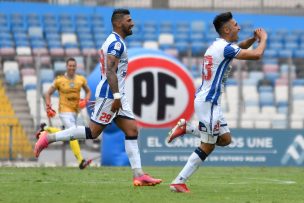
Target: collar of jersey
118	35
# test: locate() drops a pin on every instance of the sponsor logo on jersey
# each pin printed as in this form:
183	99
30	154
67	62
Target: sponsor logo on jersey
117	46
113	52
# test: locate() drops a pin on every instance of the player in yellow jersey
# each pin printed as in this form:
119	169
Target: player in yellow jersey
69	86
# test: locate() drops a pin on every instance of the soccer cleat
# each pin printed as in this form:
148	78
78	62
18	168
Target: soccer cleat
146	180
85	163
41	144
181	187
178	130
41	128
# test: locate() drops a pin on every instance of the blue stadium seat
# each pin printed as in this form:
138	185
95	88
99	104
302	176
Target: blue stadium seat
12	77
272	76
150	36
166	27
5	36
181	37
84	29
293	46
210	37
182	28
266	99
5	28
299	53
38	43
263	88
198	26
151	27
285	53
231	81
100	31
67	29
51	29
291	38
198	48
275	38
282	107
85	36
276	45
46	75
182	47
7	43
298	82
135	44
59	67
87	44
271	53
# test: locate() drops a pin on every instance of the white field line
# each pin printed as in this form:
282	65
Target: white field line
264	181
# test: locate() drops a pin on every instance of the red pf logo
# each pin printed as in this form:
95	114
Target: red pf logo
160	90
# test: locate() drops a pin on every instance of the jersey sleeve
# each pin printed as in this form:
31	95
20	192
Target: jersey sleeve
116	48
84	81
56	83
231	50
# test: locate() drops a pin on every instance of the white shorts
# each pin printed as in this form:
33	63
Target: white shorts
68	119
212	121
102	113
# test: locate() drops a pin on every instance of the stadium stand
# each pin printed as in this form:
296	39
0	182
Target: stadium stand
14	143
46	38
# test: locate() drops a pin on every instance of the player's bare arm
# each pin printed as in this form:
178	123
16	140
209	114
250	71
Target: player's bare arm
112	65
48	95
87	91
248	42
245	44
257	53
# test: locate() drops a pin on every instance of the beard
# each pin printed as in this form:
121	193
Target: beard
127	30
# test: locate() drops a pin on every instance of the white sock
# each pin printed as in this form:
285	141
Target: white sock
193	163
132	151
73	133
192	130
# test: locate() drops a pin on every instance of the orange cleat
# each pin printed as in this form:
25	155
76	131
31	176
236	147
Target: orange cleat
41	144
181	187
146	180
178	130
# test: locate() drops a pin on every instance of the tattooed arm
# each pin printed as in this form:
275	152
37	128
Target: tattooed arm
112	65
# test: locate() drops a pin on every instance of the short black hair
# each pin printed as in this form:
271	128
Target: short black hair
119	13
220	20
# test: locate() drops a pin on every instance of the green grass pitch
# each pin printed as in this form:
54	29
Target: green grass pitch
114	184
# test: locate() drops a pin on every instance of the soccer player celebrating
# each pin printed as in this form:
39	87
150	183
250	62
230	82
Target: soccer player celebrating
213	129
69	86
111	102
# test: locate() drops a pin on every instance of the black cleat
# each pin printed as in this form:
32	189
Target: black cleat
84	163
41	128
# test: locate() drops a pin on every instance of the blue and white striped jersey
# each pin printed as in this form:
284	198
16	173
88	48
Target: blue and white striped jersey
216	63
114	45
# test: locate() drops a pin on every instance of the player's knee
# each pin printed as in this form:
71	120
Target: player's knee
131	133
91	134
224	140
207	148
201	153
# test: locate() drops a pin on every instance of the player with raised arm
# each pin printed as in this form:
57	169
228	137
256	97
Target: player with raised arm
111	102
213	129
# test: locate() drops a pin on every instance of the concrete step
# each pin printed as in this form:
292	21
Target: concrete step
22	107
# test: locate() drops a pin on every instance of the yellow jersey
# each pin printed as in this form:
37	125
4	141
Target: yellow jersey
69	92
